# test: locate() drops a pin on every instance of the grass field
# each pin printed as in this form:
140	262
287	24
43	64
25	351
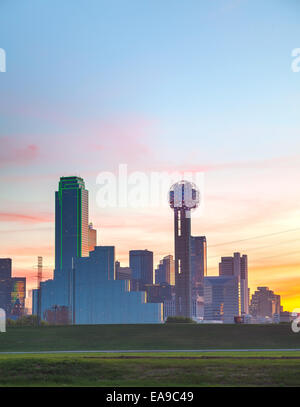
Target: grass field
142	370
149	337
152	369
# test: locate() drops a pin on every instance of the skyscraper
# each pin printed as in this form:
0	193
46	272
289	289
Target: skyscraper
5	284
18	292
141	264
244	285
92	237
198	264
12	289
71	222
221	298
84	289
165	272
237	266
122	273
264	303
183	197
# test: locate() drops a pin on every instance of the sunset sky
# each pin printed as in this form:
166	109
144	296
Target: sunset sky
172	85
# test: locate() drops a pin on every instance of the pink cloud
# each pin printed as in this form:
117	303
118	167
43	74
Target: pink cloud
122	139
12	153
259	164
27	251
23	218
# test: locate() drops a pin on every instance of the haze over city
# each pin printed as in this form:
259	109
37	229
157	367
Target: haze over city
125	83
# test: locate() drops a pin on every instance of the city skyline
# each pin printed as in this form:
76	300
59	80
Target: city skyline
70	183
192	90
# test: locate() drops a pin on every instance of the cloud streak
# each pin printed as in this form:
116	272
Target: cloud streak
11	153
24	218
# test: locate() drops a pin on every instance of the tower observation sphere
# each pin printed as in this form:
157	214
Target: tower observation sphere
184	195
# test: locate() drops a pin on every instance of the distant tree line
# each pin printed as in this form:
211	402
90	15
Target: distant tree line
179	319
25	320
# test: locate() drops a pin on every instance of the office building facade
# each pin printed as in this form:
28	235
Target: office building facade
92	237
71	222
12	290
221	298
5	284
264	303
141	265
198	264
99	299
18	292
165	271
122	273
237	265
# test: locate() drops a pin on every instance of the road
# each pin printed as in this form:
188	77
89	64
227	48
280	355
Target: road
150	351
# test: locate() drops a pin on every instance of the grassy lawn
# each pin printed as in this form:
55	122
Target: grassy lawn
152	369
267	369
148	337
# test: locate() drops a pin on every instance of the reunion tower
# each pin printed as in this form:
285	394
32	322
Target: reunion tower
183	197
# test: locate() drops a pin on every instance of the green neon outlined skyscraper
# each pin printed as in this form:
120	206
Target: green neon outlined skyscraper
71	222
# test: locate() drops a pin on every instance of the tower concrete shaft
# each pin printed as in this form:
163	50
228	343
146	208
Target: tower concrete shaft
182	229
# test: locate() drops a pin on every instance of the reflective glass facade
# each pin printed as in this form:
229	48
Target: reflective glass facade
141	264
93	296
18	291
71	222
5	284
198	264
221	298
99	299
165	272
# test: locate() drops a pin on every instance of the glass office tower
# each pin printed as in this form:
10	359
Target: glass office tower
5	284
198	264
99	299
141	264
71	222
221	298
165	272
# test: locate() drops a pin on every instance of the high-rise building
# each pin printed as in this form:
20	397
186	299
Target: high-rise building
18	292
5	284
198	264
96	297
264	303
12	290
141	265
165	272
183	197
122	273
244	285
71	222
158	292
237	266
84	289
221	298
99	299
92	237
170	307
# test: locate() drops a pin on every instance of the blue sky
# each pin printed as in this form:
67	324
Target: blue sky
198	67
155	84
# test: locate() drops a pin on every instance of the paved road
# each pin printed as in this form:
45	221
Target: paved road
150	351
